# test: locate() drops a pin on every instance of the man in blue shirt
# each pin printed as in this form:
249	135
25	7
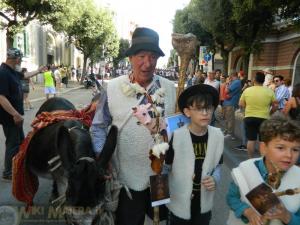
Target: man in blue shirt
282	93
233	89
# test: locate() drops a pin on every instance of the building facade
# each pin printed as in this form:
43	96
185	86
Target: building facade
280	52
41	45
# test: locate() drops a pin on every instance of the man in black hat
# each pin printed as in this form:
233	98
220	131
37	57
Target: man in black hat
11	106
123	93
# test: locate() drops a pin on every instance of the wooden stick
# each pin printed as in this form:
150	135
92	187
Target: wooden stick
288	192
156	215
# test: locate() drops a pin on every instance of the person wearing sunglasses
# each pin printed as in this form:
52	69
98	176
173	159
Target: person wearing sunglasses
282	93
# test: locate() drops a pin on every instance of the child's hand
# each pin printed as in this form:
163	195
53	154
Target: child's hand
253	217
278	212
209	183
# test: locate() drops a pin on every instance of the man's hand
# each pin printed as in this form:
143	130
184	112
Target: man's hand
109	170
18	119
253	217
42	69
209	183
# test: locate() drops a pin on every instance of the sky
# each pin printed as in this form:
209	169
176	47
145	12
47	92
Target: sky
155	14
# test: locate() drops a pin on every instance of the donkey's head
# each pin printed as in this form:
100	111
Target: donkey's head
86	175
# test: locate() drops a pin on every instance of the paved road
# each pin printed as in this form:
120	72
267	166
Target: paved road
42	215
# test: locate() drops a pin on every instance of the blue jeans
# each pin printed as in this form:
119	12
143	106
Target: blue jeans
14	136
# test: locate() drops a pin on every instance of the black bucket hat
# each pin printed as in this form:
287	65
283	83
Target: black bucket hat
144	39
197	90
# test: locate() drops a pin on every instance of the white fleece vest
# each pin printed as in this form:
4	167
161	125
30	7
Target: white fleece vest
134	142
247	176
181	176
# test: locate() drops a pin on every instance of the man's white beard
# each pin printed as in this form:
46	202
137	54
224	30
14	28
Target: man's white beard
18	68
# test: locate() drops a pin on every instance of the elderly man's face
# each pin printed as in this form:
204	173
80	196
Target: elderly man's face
15	63
143	66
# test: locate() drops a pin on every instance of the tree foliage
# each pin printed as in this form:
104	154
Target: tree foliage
230	23
215	16
173	59
184	22
123	46
18	13
289	10
92	32
255	20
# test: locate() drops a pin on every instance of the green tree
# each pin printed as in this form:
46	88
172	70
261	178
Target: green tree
18	13
106	52
215	17
173	59
289	10
254	20
112	45
184	22
123	46
90	31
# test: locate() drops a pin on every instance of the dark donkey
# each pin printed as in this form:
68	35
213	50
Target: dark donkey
63	151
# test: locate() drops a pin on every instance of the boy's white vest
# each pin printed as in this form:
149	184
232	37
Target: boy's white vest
181	176
134	142
247	176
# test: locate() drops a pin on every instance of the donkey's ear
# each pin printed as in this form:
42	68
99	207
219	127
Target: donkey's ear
109	147
64	147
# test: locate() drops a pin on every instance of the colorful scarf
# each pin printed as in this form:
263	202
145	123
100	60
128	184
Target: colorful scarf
25	183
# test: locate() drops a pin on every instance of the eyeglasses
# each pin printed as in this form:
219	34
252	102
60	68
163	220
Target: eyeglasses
203	110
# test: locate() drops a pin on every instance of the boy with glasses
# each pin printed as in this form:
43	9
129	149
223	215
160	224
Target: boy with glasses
194	158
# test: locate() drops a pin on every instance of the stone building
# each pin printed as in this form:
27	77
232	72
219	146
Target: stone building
41	45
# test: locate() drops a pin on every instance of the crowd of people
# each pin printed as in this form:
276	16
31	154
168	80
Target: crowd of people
195	151
194	156
255	100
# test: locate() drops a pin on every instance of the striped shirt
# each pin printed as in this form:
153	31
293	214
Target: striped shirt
282	94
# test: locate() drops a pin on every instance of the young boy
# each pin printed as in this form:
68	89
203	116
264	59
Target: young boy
280	149
194	158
